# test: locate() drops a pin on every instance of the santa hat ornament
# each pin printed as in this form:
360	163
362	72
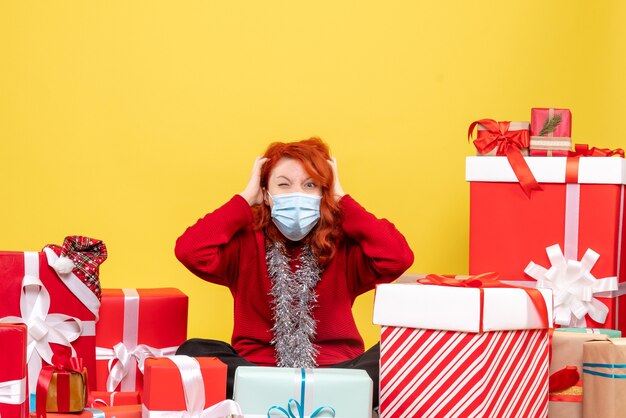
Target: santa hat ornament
81	256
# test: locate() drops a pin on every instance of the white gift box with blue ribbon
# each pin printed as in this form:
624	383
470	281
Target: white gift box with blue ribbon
303	393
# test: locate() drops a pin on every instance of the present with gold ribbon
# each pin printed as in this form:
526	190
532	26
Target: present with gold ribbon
567	237
128	334
604	378
56	294
510	139
13	371
550	132
459	347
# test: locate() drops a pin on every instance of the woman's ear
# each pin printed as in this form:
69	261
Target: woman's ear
265	199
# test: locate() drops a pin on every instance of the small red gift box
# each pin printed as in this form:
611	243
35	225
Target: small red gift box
122	411
203	386
61	305
13	371
101	398
128	328
567	237
550	132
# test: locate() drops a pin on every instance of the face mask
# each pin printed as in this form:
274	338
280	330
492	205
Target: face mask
295	214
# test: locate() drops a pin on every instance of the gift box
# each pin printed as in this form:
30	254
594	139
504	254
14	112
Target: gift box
177	386
62	387
463	349
604	378
611	333
122	411
136	324
567	351
508	139
102	398
60	307
13	371
566	237
550	132
342	393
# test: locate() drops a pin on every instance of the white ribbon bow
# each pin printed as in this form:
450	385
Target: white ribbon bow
122	362
193	388
13	392
43	328
573	287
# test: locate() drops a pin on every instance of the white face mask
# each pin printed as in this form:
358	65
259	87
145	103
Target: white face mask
295	214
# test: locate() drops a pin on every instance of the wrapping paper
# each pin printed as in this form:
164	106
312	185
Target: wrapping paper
167	389
583	219
101	398
555	143
434	362
123	411
268	390
13	371
67	392
128	330
604	378
567	350
64	308
431	373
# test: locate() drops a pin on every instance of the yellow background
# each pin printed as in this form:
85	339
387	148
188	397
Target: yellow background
128	120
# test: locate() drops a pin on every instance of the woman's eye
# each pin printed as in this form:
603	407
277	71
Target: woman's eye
310	185
282	184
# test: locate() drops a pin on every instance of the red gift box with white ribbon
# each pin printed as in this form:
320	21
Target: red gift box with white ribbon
566	237
463	348
183	386
13	371
58	308
136	324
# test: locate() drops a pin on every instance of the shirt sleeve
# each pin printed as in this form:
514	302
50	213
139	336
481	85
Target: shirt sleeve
210	247
377	251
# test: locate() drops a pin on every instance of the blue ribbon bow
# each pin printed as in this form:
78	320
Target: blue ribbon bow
289	413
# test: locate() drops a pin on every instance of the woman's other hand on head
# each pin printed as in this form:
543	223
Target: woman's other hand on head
337	189
253	192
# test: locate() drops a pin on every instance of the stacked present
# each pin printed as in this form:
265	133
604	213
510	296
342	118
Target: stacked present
72	349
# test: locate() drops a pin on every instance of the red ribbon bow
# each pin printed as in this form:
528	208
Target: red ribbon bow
63	364
583	150
489	280
509	143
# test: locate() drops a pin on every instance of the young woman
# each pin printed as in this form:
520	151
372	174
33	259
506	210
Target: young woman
295	252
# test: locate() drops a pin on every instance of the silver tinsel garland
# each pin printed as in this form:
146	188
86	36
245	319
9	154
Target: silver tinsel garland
294	299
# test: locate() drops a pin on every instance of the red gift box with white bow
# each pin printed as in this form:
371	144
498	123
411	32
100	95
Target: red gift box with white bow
13	391
136	324
58	308
566	237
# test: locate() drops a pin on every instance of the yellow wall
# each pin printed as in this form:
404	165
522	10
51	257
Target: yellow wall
128	120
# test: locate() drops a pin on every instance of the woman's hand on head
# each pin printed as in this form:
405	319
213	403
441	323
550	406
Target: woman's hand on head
337	189
253	192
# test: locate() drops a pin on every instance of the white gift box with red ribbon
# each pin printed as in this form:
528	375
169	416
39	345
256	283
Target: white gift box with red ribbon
458	351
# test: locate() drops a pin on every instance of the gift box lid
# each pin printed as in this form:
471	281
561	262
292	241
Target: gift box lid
414	305
591	170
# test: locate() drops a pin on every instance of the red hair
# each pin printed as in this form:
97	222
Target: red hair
313	154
